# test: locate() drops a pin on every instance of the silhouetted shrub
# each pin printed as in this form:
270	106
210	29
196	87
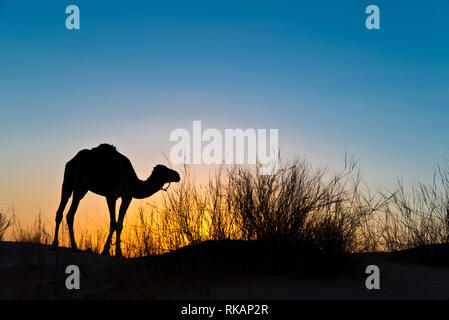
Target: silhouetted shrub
295	205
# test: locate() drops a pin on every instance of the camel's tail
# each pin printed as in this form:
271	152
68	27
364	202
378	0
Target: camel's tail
68	183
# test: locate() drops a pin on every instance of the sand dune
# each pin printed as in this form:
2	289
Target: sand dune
30	271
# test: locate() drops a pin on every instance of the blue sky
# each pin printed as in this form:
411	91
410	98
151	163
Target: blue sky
137	70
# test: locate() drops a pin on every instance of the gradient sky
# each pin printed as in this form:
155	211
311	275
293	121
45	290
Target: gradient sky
136	70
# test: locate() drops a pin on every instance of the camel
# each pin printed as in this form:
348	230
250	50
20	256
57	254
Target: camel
105	171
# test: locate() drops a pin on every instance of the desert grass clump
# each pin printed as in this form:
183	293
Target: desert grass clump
418	216
5	223
148	234
302	205
297	205
37	233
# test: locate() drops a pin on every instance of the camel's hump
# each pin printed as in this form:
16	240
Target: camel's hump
105	147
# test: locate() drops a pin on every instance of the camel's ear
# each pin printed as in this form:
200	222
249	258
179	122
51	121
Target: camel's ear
158	168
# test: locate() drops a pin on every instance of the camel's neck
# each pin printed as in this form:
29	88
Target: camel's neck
145	189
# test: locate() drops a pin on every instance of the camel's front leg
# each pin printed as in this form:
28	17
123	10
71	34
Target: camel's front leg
123	207
112	225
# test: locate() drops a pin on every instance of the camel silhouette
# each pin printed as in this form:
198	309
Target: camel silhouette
105	171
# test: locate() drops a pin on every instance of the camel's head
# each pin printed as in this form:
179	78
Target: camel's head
165	174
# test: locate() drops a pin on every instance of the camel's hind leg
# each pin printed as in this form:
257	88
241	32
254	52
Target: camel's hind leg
65	196
112	225
77	196
121	216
